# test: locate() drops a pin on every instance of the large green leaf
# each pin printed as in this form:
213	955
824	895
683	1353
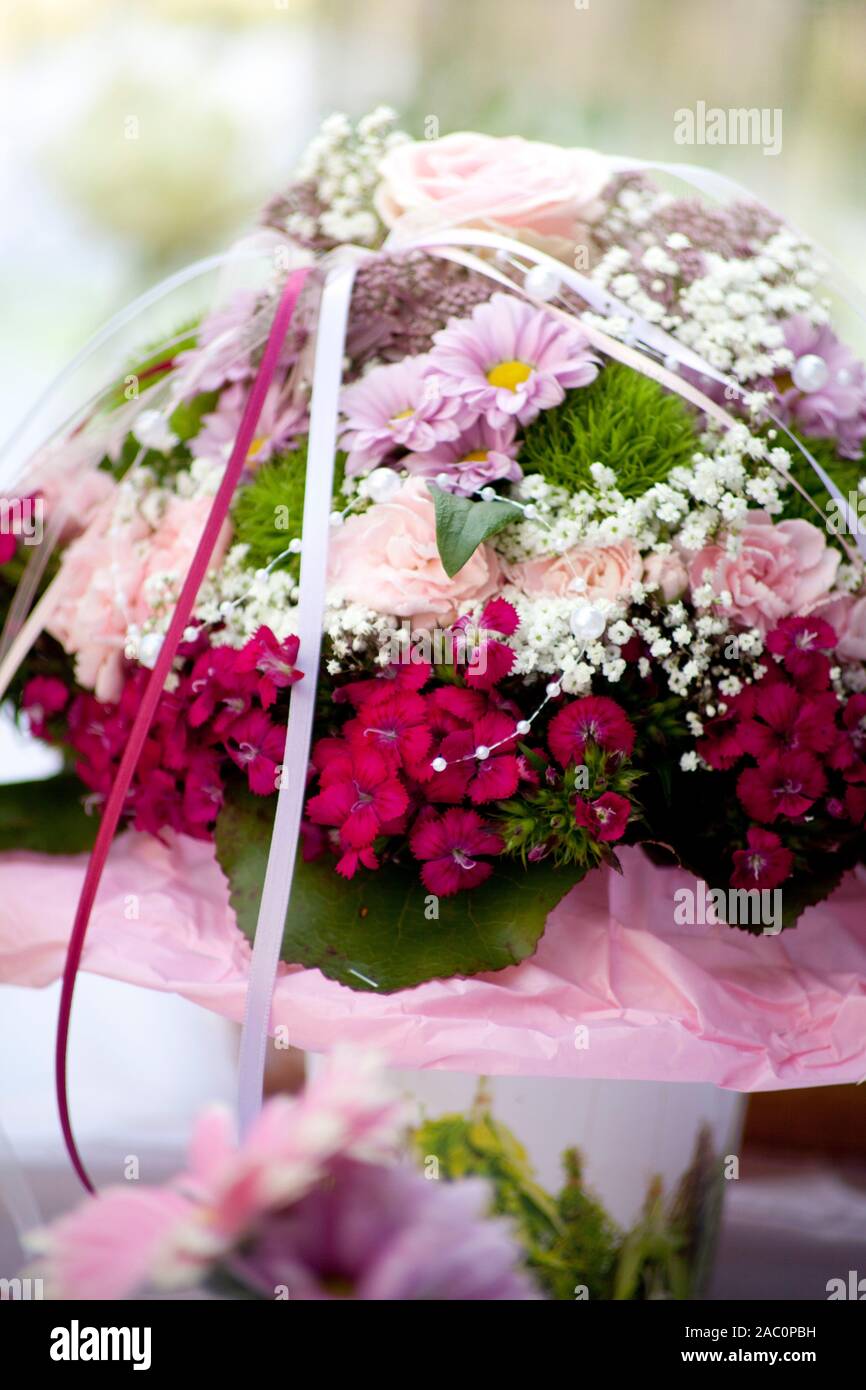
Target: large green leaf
376	932
461	525
47	816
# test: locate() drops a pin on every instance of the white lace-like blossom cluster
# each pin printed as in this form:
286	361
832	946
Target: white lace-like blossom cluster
342	164
738	470
731	314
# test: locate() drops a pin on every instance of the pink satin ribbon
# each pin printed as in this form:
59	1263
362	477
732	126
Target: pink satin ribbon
183	610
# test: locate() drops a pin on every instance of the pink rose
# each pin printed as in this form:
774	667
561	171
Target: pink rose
666	573
779	569
101	584
847	617
387	560
607	571
478	180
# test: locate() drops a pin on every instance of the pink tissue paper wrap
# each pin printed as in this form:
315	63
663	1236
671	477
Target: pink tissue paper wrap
658	1001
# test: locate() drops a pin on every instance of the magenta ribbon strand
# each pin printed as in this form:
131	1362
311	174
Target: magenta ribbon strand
150	699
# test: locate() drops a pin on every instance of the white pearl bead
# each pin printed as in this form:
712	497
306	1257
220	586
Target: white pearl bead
226	608
542	282
843	377
443	481
149	649
439	764
295	546
260	576
810	373
382	484
530	511
523	726
488	494
587	622
337	518
554	689
482	752
190	634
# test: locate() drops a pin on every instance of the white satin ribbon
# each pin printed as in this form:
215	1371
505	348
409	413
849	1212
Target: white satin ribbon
327	377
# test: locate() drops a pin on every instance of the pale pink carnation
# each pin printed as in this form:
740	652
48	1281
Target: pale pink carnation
592	572
667	573
387	560
779	569
846	614
102	577
510	360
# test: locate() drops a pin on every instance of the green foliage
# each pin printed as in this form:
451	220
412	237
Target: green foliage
269	510
586	1251
569	1240
623	420
571	1244
382	930
46	816
651	1262
543	818
462	525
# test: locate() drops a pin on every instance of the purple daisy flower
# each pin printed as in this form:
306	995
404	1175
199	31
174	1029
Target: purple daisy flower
510	360
385	1234
280	423
483	454
395	407
835	406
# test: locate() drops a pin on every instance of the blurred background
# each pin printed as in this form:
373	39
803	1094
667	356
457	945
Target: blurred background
137	135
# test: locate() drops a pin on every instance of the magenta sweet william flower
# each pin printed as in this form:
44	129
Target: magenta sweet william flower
220	694
855	804
765	863
396	727
606	818
396	407
837	410
801	644
509	360
785	720
272	660
398	677
593	717
42	698
257	746
485	659
8	546
849	752
451	846
786	784
490	777
360	795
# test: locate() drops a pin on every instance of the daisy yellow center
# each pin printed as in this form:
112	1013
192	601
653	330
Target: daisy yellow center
255	447
477	456
509	375
403	415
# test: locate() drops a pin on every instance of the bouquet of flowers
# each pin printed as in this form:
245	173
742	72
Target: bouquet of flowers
594	570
